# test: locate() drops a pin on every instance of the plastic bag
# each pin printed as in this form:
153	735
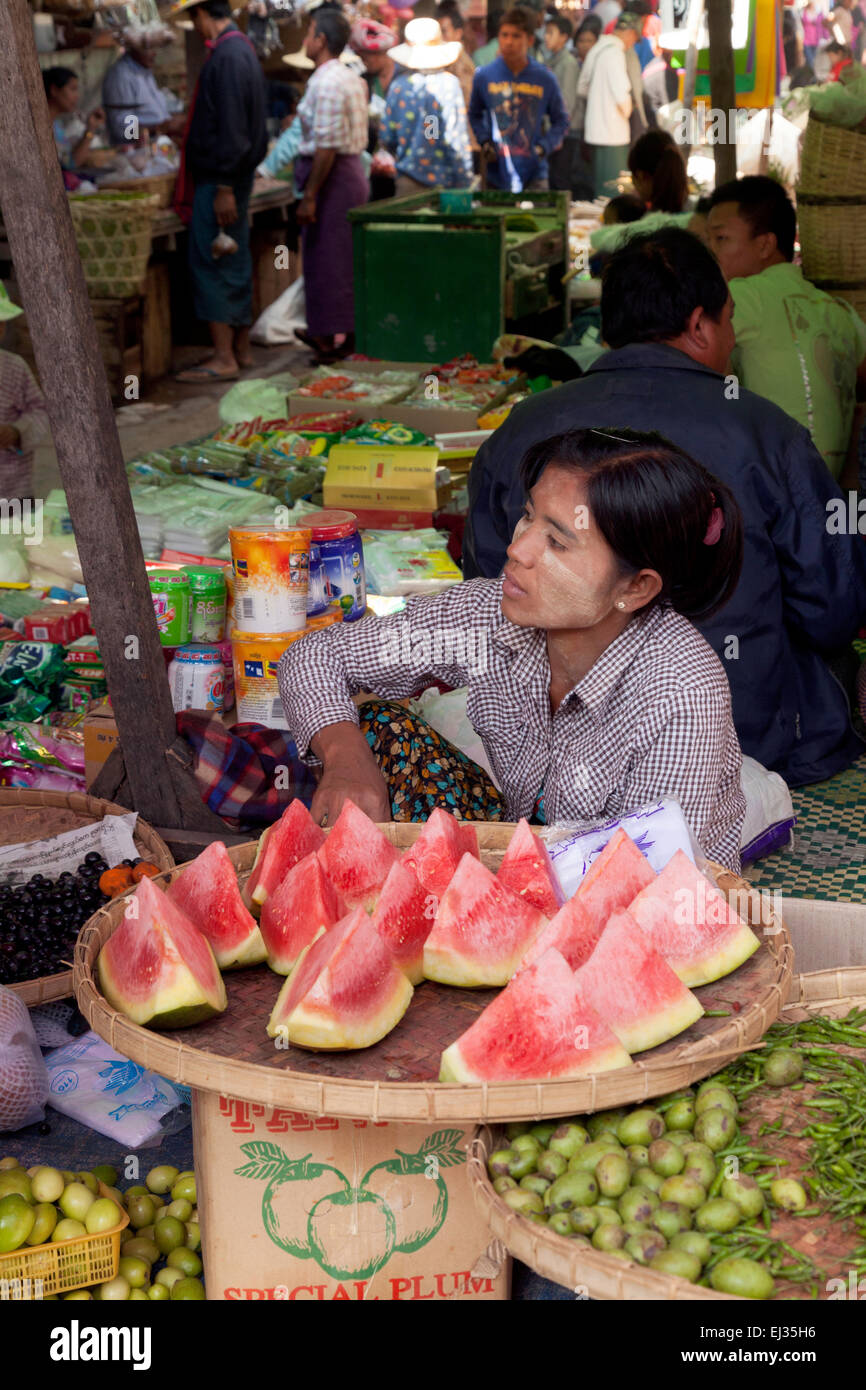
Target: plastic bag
95	1085
23	1076
277	323
658	830
258	397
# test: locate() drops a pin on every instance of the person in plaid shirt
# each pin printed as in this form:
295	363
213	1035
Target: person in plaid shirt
328	170
588	685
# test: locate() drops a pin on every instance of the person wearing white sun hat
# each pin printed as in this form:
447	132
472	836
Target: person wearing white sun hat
23	421
425	125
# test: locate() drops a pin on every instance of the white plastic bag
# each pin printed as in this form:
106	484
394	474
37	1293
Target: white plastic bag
105	1091
278	322
658	830
23	1078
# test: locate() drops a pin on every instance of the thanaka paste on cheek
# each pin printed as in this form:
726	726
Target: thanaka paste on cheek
568	599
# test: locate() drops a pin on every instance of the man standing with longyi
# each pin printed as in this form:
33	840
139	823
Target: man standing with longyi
330	173
225	140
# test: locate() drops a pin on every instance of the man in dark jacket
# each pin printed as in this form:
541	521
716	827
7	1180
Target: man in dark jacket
226	139
666	313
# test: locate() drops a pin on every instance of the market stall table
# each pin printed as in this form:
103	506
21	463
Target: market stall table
388	1211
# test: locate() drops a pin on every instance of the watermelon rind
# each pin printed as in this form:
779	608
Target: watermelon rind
474	911
197	891
309	1029
295	822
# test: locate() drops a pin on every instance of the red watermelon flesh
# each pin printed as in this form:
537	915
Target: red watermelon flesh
357	857
574	932
634	989
482	930
208	893
157	967
692	924
346	990
526	869
615	877
540	1028
403	917
282	845
304	905
437	852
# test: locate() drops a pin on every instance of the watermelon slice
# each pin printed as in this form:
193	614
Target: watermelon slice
157	968
282	845
304	905
436	853
345	991
692	924
357	857
574	932
541	1028
526	869
482	930
634	988
208	892
615	877
403	917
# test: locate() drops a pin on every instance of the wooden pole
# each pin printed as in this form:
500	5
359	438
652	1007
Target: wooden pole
723	92
51	280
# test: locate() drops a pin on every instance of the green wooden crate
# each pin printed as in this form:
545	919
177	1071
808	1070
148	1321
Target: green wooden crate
431	285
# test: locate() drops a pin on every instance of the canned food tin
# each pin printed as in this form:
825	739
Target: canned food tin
336	534
272	573
256	656
197	679
317	600
207	603
170	593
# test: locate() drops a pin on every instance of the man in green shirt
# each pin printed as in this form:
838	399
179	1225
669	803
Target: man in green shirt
797	346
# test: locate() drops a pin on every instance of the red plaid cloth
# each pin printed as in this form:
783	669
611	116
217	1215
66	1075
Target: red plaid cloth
238	769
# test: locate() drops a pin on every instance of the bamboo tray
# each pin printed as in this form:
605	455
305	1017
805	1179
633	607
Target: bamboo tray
828	992
395	1080
37	815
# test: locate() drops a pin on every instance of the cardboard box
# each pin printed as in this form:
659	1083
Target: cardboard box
826	935
383	1211
100	736
386	478
431	419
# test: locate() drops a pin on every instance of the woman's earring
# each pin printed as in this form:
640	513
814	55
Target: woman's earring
620	604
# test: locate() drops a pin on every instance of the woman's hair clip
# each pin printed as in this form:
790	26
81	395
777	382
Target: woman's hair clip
716	523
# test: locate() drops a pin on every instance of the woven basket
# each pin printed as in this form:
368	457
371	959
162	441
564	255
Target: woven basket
113	231
828	992
232	1055
854	294
37	815
833	240
159	186
832	162
62	1265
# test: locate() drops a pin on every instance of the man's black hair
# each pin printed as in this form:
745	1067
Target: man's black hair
449	9
765	205
652	285
57	78
334	28
217	9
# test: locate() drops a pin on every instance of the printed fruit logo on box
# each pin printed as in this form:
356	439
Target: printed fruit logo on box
352	1231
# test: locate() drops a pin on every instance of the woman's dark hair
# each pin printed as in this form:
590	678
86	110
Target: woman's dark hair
652	285
334	28
653	504
590	23
449	9
764	204
656	154
518	18
57	78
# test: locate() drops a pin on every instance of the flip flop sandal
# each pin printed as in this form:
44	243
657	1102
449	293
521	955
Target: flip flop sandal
192	376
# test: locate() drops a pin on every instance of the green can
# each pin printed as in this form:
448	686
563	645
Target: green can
207	603
170	593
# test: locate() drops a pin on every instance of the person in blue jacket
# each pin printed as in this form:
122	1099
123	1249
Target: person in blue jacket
516	109
666	316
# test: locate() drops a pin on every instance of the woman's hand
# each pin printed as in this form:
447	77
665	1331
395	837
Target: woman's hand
95	120
350	773
9	437
305	212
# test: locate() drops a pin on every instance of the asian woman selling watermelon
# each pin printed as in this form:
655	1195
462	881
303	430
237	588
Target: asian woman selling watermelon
591	691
